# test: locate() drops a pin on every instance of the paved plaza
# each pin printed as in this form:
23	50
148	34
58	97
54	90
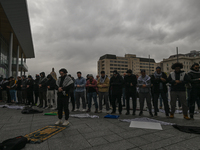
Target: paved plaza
99	133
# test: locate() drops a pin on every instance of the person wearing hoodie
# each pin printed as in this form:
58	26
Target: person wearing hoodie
116	83
4	90
103	90
63	85
30	85
19	89
36	88
80	91
130	82
178	79
51	86
159	80
91	86
43	90
144	84
23	87
194	75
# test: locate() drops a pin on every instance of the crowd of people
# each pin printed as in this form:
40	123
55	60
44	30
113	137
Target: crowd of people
117	91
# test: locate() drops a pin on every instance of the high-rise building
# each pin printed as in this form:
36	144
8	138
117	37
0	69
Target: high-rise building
186	59
109	63
15	38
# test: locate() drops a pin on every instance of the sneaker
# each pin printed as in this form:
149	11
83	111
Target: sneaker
107	111
141	113
65	123
53	108
46	107
112	112
191	117
84	110
88	110
171	116
96	111
76	110
186	117
58	122
100	111
127	113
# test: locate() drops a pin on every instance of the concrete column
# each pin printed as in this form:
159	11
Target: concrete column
10	55
21	63
17	62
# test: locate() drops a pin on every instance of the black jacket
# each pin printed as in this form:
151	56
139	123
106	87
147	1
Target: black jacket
31	85
180	86
128	80
156	83
51	82
36	85
19	83
24	84
43	82
116	84
194	76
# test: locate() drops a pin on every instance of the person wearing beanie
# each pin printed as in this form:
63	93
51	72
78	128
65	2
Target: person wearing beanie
91	86
80	91
23	87
194	75
51	86
43	90
63	85
130	82
103	90
30	85
178	79
116	83
144	84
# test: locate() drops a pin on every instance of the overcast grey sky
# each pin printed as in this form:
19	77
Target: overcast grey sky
75	33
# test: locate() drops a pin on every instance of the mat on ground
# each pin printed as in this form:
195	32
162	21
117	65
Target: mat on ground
84	116
43	134
145	125
112	116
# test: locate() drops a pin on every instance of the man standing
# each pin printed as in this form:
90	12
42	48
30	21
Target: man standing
43	90
159	80
116	83
24	86
80	91
64	84
51	85
178	79
103	90
194	75
72	93
91	86
130	82
36	88
144	84
30	90
11	87
19	89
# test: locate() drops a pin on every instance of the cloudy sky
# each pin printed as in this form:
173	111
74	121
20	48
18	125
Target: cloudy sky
75	33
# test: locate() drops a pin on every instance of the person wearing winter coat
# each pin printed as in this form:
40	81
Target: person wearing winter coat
12	87
130	83
36	88
178	79
23	87
19	89
51	86
116	83
43	90
30	85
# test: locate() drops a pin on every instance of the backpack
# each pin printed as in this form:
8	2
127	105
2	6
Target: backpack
16	143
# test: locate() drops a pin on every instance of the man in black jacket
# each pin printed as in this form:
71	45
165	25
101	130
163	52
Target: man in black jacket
72	93
116	83
19	89
30	90
178	79
130	82
194	75
64	84
36	88
23	87
51	86
43	90
159	80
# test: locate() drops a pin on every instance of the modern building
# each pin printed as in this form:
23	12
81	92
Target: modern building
186	59
109	63
16	43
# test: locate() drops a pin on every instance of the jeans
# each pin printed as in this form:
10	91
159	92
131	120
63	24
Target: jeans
63	103
13	95
105	95
82	96
43	96
89	97
116	97
134	102
194	95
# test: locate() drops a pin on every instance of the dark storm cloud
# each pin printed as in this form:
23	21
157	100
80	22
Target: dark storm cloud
74	34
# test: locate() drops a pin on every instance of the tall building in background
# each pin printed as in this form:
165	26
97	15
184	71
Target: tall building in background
186	59
109	63
15	38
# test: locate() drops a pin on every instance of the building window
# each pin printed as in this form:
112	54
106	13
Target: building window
111	64
111	61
